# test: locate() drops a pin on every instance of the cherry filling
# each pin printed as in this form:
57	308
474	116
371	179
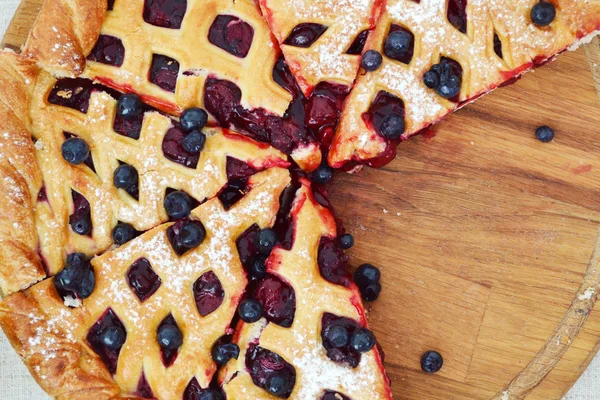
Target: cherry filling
343	354
165	13
331	395
233	192
283	224
305	35
358	45
173	150
142	279
106	337
278	300
457	14
110	5
42	195
170	339
208	293
163	72
173	233
237	169
108	50
323	109
266	366
231	34
333	262
385	108
193	391
247	246
143	389
498	46
81	218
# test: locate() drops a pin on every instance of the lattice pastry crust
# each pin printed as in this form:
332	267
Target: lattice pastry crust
301	344
51	337
523	46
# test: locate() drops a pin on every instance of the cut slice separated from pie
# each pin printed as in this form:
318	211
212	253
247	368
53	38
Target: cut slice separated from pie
439	55
313	341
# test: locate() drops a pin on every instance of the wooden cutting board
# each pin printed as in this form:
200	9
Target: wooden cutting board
487	239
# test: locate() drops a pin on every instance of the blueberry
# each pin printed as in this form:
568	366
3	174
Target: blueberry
75	150
397	45
125	176
123	233
193	119
431	79
222	353
113	337
277	385
129	106
323	174
362	340
250	310
338	336
267	239
371	60
392	127
431	362
258	267
76	260
192	234
169	337
82	225
346	241
544	134
543	13
210	394
370	292
366	274
193	142
178	204
449	88
77	277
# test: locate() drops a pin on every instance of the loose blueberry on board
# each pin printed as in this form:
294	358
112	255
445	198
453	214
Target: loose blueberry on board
193	142
77	277
277	385
366	274
431	362
323	174
129	106
267	239
222	353
544	134
371	292
193	119
125	176
170	337
258	267
338	336
392	127
178	204
192	234
123	233
250	311
346	241
362	340
543	13
113	337
75	150
371	60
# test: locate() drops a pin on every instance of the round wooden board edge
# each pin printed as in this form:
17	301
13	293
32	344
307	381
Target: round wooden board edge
582	305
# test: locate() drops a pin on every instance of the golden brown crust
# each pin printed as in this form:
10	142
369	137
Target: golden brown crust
21	178
64	32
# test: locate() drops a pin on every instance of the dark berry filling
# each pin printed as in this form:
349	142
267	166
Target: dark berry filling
208	293
143	389
386	115
107	337
108	50
178	204
163	72
237	169
178	235
165	13
193	391
142	279
270	371
457	14
231	34
278	300
331	323
130	127
76	279
400	44
333	262
284	225
358	45
170	339
247	246
42	195
323	109
81	218
233	192
498	46
110	5
305	34
331	395
172	147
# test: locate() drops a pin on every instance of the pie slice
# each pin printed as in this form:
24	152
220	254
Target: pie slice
307	295
440	55
144	317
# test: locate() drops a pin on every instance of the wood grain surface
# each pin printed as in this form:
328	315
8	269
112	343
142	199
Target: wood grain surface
487	238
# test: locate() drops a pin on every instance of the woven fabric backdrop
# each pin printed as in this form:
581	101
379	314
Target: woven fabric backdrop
17	384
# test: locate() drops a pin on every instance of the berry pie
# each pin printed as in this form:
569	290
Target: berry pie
438	55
